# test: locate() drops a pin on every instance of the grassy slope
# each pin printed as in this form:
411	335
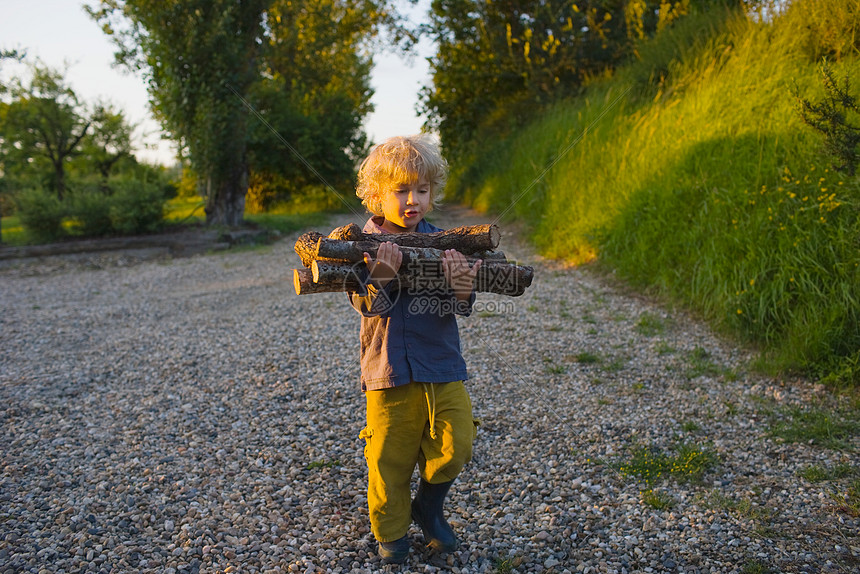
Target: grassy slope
691	174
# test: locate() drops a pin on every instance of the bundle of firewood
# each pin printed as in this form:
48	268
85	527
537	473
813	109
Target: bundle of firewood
336	262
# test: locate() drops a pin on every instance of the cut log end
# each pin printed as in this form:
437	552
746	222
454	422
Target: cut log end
495	236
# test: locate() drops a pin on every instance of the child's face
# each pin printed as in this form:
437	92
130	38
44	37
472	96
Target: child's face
404	205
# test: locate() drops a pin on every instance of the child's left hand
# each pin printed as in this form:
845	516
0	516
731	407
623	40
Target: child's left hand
458	274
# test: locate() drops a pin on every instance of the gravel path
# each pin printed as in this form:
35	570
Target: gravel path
195	415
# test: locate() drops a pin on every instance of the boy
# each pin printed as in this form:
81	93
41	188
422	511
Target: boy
412	371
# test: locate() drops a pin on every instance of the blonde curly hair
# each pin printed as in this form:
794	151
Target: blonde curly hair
398	160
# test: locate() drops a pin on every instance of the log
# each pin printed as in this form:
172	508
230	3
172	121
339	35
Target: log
493	277
467	240
303	281
305	246
353	251
350	232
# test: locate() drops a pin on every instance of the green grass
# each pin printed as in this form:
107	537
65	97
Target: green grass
686	462
507	565
690	426
691	175
185	210
699	364
322	464
755	567
657	499
743	508
182	211
586	358
13	231
850	501
826	427
649	325
818	473
551	368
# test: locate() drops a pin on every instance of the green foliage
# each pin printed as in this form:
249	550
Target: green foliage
41	214
825	427
649	325
693	177
197	79
312	98
818	473
136	207
586	358
498	63
270	88
851	499
42	128
90	211
825	29
128	206
507	565
317	464
110	140
688	463
288	222
755	567
657	499
832	116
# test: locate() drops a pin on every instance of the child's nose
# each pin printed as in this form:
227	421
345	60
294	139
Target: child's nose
410	198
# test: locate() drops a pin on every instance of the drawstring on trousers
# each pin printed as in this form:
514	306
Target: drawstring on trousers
431	408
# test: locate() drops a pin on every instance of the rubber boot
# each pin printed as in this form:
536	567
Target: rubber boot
427	512
394	552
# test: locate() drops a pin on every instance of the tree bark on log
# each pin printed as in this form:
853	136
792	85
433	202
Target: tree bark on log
350	232
306	246
303	281
468	240
353	251
493	277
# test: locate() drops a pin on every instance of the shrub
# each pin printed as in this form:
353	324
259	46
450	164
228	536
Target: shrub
90	212
136	207
41	214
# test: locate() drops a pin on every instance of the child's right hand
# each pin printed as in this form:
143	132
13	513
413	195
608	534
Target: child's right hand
384	268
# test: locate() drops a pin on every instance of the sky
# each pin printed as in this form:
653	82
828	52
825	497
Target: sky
62	35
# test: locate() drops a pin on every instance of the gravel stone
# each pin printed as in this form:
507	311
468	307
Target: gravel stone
195	415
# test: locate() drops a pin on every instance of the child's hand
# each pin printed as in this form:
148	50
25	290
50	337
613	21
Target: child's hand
386	265
460	277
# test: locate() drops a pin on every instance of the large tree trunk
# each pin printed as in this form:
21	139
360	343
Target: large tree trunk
60	179
227	185
225	204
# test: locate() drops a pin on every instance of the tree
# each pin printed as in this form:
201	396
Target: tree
303	66
110	140
43	120
201	58
315	90
497	59
17	56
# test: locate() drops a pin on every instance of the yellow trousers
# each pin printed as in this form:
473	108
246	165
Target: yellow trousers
428	424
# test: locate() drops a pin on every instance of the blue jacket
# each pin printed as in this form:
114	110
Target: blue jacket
408	334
